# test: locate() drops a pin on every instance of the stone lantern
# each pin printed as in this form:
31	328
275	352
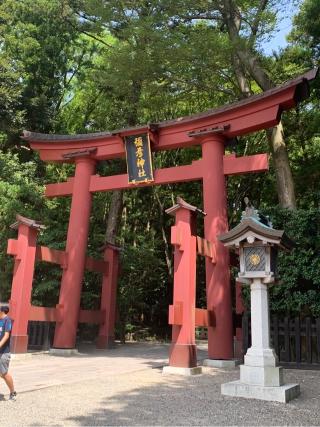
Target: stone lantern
258	243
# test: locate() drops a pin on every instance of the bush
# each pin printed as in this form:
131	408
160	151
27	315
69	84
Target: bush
297	290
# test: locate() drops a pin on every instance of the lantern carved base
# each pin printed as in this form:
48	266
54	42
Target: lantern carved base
218	363
282	394
266	376
260	356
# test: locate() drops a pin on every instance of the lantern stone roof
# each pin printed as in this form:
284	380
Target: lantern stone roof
26	221
252	226
183	204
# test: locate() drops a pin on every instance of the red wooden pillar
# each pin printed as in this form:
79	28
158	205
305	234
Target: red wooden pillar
183	350
238	345
71	283
24	250
108	296
220	337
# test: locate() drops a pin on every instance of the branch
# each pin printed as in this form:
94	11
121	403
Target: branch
66	81
88	34
255	25
207	17
90	19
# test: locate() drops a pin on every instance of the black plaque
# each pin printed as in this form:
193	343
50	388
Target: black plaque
139	158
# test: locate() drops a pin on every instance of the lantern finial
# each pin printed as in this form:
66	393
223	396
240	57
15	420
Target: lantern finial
250	211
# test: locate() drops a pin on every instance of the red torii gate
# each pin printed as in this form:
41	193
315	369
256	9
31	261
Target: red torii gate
210	130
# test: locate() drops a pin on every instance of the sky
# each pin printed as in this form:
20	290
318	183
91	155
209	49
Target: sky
284	28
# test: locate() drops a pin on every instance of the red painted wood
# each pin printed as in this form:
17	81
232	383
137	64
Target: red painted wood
20	300
216	223
231	165
59	189
71	283
243	118
120	182
161	176
99	266
206	248
239	333
108	297
204	317
91	316
53	256
44	314
19	344
183	348
239	301
176	314
241	123
54	314
12	248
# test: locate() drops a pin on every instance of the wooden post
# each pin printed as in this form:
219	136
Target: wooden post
71	284
220	337
183	351
108	297
24	251
238	345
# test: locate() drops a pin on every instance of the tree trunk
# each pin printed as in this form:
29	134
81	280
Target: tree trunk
241	78
285	185
164	236
248	61
114	216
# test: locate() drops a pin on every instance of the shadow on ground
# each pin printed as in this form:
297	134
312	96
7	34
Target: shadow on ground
197	401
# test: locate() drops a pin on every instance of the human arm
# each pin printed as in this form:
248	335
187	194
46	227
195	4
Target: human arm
7	332
4	339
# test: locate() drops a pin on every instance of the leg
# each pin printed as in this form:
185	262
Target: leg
9	381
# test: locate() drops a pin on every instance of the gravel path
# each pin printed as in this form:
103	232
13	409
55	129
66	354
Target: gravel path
146	397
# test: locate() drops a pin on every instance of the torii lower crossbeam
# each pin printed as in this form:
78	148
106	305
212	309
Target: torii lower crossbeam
232	165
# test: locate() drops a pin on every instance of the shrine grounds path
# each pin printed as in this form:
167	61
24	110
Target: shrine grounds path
125	386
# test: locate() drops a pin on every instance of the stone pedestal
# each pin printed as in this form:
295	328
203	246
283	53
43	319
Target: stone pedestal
260	377
64	352
218	363
282	394
175	370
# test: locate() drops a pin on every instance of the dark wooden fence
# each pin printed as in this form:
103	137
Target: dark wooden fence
40	335
295	340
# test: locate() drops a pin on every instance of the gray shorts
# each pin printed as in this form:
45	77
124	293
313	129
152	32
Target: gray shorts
4	363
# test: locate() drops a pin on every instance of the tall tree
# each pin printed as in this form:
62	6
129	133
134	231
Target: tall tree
39	39
244	51
245	23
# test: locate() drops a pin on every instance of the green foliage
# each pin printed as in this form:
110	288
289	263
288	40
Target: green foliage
306	31
298	289
20	192
143	284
